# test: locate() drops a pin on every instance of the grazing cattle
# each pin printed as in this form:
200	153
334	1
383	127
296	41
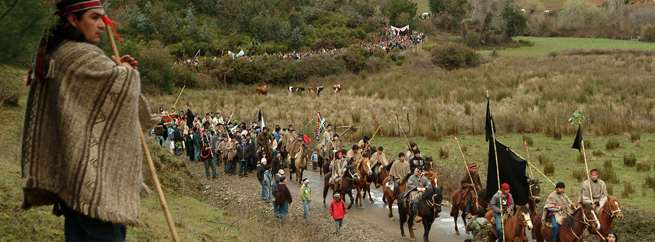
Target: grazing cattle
337	88
316	90
262	90
292	89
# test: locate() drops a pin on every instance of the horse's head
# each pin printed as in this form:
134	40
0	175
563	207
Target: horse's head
433	178
535	189
433	198
614	207
428	163
352	173
590	217
365	166
525	218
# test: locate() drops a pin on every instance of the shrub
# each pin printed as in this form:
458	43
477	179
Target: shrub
610	189
643	166
356	116
598	153
628	189
581	158
454	56
527	139
428	46
543	159
306	67
587	144
557	134
472	39
363	74
612	144
650	181
355	57
629	160
444	152
635	136
607	173
549	169
579	174
648	33
155	62
11	88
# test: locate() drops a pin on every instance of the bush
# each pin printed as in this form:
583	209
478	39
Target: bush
608	174
155	62
648	33
557	134
355	57
635	136
643	166
472	39
454	56
549	169
527	139
444	152
363	74
610	189
307	67
543	159
628	189
612	144
579	174
650	181
11	87
581	158
629	160
428	46
598	153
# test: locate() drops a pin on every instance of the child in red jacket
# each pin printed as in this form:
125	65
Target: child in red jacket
338	210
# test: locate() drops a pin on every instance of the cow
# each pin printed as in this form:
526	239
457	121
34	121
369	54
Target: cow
292	89
337	88
262	90
316	90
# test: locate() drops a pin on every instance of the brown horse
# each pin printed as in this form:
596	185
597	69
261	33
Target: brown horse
364	171
300	163
606	215
535	189
583	219
513	227
461	206
349	177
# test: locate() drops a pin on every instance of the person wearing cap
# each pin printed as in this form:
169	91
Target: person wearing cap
598	190
83	119
243	155
338	210
479	226
306	197
501	203
324	142
557	207
416	186
282	198
379	161
470	185
398	172
264	180
364	144
416	161
334	146
338	167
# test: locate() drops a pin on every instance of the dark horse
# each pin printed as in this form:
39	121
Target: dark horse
347	185
429	208
459	205
573	227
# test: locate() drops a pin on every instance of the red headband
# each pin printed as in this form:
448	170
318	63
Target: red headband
80	7
592	172
473	165
337	153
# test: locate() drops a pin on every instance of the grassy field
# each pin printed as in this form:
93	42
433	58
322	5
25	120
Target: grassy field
557	151
544	45
422	6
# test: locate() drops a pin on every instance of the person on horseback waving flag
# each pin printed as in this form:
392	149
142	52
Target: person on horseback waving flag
598	190
338	166
470	184
557	206
379	161
416	186
501	205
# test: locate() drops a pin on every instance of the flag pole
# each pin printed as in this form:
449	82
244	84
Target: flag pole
178	96
401	129
586	168
369	142
493	135
146	151
467	171
528	153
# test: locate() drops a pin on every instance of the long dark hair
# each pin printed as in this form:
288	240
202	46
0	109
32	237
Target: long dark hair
63	30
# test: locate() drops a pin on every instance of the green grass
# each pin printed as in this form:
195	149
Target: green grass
544	45
559	152
422	7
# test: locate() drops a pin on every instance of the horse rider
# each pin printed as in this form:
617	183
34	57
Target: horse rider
324	143
598	190
416	186
364	144
398	171
501	206
354	155
338	167
334	146
265	138
289	137
293	149
470	185
417	161
379	161
412	148
557	206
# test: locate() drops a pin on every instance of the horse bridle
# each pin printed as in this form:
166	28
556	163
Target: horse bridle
434	205
618	210
585	222
533	197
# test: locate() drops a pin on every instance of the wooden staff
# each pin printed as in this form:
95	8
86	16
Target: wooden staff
401	129
146	151
528	154
369	141
178	96
467	171
493	135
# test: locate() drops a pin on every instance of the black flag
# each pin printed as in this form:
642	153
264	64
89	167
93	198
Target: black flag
512	171
189	118
489	124
577	143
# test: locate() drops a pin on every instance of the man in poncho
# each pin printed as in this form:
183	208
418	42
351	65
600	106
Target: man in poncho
81	147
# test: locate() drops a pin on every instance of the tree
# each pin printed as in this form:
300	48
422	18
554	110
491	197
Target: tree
516	22
21	25
437	6
395	7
